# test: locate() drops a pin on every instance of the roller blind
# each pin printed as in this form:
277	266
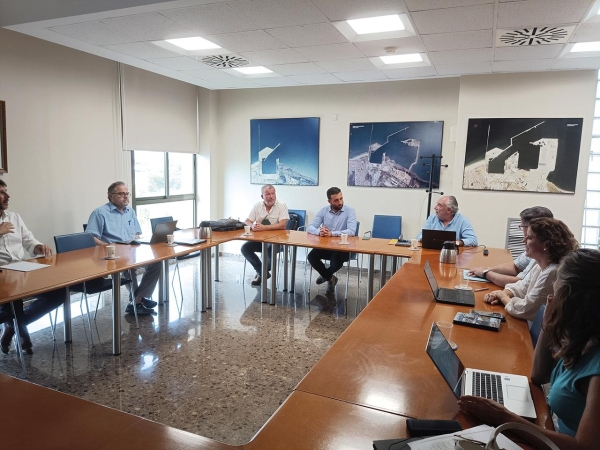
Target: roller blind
159	113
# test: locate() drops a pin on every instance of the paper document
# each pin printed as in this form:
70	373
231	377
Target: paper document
466	276
481	434
24	266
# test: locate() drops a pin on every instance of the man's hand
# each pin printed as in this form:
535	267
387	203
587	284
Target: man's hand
324	231
42	249
258	227
476	272
6	227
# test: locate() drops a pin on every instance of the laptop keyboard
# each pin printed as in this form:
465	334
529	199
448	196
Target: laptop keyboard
488	385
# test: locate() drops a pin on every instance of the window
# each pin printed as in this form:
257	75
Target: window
591	209
164	184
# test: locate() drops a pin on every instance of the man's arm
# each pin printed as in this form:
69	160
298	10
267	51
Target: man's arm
500	279
95	226
29	242
313	228
467	234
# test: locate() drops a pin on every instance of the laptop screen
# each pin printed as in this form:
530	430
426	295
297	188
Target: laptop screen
431	278
445	360
434	239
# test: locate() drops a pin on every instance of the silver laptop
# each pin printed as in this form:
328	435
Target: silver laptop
189	241
510	390
444	295
161	230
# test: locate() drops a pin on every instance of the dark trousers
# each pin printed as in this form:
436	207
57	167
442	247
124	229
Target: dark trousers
250	249
43	304
336	261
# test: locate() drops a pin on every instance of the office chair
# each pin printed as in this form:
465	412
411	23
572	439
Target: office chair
386	227
153	223
535	327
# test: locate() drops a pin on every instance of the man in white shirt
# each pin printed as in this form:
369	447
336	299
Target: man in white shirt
269	214
15	240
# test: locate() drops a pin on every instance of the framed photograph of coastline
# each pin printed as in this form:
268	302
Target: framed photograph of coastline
527	155
3	151
285	151
388	154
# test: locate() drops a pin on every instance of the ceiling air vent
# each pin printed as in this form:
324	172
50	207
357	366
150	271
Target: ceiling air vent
525	37
225	61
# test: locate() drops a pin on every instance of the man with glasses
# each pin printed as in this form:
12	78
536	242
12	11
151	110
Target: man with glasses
114	222
516	270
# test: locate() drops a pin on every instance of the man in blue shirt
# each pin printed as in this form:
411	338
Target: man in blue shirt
447	218
116	222
332	220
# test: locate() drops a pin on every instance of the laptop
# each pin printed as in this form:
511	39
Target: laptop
445	295
161	230
434	239
189	241
510	390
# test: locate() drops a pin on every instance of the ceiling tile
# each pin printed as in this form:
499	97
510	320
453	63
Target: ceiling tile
365	75
402	45
523	66
142	50
196	73
237	83
308	35
246	41
448	20
95	33
347	65
587	32
180	63
278	13
296	69
330	52
217	75
317	78
576	63
210	19
422	5
458	41
464	69
282	56
461	56
275	81
358	9
540	12
148	27
411	72
530	52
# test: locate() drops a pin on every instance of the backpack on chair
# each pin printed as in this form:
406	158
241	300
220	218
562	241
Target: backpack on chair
293	221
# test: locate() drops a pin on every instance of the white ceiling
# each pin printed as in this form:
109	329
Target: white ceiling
297	40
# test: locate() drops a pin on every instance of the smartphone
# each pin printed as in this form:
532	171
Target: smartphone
495	315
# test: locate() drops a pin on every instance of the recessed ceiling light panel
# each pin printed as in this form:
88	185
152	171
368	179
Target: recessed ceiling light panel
193	43
586	47
253	70
379	24
402	59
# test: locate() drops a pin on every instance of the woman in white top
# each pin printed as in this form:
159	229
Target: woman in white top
547	241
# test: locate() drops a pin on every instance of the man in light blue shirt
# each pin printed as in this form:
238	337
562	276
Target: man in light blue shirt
114	222
330	221
447	218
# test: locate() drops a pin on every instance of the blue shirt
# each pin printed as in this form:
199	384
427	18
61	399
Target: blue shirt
338	222
460	224
110	225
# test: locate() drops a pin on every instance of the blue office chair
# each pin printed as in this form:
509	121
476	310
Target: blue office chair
153	223
386	227
78	241
535	327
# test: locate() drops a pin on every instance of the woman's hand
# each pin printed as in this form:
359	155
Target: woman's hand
496	298
487	411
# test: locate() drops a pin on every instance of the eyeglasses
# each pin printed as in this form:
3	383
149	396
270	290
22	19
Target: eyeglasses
121	194
522	227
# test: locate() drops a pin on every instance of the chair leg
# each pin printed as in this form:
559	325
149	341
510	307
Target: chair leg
347	279
244	275
87	308
52	326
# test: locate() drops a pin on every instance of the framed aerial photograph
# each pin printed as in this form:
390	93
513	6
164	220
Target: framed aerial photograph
528	155
284	151
3	151
388	154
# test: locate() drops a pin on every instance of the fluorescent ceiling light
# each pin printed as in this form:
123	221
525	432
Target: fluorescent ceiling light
586	47
379	24
193	43
253	70
400	59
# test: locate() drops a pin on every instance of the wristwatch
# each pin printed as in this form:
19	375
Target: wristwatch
484	273
457	243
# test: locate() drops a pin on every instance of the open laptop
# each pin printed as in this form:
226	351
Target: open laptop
445	295
434	239
161	230
510	390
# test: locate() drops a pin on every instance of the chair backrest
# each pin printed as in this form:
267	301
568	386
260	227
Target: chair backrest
75	241
387	227
514	237
301	217
157	220
536	326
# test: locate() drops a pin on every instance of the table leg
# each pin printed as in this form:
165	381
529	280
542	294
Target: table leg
293	277
383	272
274	253
285	268
394	264
163	283
67	316
217	263
18	344
116	313
209	295
265	271
370	277
201	277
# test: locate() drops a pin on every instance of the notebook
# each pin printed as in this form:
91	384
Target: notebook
444	295
161	230
510	390
433	239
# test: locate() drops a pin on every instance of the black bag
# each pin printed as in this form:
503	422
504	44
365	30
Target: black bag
223	224
294	221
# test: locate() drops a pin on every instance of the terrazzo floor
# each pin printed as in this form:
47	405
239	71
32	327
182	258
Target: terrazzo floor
219	374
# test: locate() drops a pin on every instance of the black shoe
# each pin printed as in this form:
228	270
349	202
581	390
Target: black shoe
320	280
331	285
148	303
26	343
257	281
8	332
141	309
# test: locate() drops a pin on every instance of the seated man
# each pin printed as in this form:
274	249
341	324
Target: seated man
332	220
511	272
266	215
16	239
447	218
114	222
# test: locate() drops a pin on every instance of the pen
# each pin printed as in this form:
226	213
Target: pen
482	289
